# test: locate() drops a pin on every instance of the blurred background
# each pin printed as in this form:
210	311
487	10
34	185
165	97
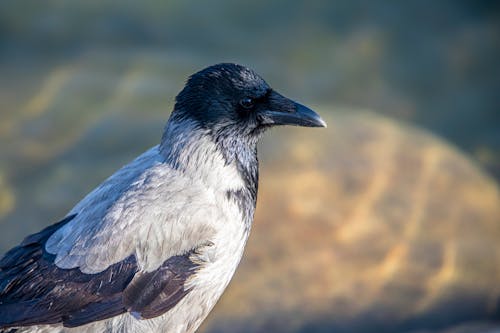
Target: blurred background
388	221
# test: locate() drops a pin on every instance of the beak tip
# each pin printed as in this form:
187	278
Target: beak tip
311	118
322	123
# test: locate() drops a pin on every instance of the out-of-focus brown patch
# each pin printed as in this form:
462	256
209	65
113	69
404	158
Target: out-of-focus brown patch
367	224
7	198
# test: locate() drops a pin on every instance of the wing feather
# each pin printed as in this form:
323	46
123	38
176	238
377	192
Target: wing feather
146	209
35	291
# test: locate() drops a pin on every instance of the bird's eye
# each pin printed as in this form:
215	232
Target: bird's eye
247	103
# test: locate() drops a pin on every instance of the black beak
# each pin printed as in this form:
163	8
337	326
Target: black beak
283	111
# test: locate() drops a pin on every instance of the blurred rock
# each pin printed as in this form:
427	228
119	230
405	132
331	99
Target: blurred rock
367	226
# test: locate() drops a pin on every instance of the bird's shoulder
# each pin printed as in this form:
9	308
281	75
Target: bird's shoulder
147	208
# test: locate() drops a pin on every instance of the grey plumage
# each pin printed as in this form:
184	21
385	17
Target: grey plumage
153	247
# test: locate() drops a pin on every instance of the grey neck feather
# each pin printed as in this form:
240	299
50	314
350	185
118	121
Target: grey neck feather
188	147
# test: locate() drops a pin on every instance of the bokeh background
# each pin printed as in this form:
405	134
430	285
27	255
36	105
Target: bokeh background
388	221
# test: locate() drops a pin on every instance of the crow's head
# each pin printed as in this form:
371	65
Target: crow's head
231	99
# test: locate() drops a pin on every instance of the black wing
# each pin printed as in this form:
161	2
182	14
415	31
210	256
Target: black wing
34	291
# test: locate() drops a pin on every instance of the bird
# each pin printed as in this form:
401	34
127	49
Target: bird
152	248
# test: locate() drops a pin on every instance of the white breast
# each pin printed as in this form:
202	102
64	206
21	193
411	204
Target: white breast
210	282
220	261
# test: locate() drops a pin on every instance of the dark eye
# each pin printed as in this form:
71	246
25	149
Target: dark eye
247	103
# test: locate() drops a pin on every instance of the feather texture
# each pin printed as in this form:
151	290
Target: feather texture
35	291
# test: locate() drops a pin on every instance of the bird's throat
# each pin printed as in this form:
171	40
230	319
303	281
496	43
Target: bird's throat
223	162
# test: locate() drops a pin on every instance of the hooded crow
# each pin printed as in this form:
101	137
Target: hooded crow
154	246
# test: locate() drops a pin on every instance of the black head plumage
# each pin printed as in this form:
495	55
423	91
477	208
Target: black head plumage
223	95
231	95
